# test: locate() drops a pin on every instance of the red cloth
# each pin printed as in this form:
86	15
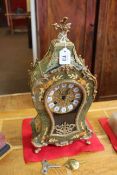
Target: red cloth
52	152
105	125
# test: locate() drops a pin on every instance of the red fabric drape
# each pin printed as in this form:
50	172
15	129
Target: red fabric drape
105	125
52	152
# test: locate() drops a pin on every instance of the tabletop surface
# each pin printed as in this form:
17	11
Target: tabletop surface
14	108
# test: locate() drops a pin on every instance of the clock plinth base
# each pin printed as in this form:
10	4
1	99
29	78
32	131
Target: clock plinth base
83	136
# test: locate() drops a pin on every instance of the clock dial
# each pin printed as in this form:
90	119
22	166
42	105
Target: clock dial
64	97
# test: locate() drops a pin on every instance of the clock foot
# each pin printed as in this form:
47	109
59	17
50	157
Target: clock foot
37	150
88	142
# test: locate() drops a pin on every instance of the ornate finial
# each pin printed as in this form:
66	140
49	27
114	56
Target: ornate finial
63	26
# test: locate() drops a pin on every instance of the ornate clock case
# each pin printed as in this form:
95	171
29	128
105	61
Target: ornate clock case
62	93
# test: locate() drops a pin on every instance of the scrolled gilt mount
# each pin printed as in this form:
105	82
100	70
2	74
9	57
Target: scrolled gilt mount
62	91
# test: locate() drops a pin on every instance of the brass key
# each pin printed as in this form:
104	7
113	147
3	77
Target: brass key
46	166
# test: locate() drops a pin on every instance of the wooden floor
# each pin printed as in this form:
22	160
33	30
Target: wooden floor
14	108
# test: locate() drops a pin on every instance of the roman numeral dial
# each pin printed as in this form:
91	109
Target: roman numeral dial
64	97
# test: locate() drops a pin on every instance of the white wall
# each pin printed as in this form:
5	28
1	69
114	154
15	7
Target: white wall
34	29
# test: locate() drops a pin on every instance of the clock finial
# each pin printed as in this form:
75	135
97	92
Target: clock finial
63	27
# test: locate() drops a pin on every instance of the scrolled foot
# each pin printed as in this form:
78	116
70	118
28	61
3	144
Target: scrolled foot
88	142
37	150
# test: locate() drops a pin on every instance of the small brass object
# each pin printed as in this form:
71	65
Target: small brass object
72	164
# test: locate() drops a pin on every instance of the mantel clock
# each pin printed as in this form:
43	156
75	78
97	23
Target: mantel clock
62	91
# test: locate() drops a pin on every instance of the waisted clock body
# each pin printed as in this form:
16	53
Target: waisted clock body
62	91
